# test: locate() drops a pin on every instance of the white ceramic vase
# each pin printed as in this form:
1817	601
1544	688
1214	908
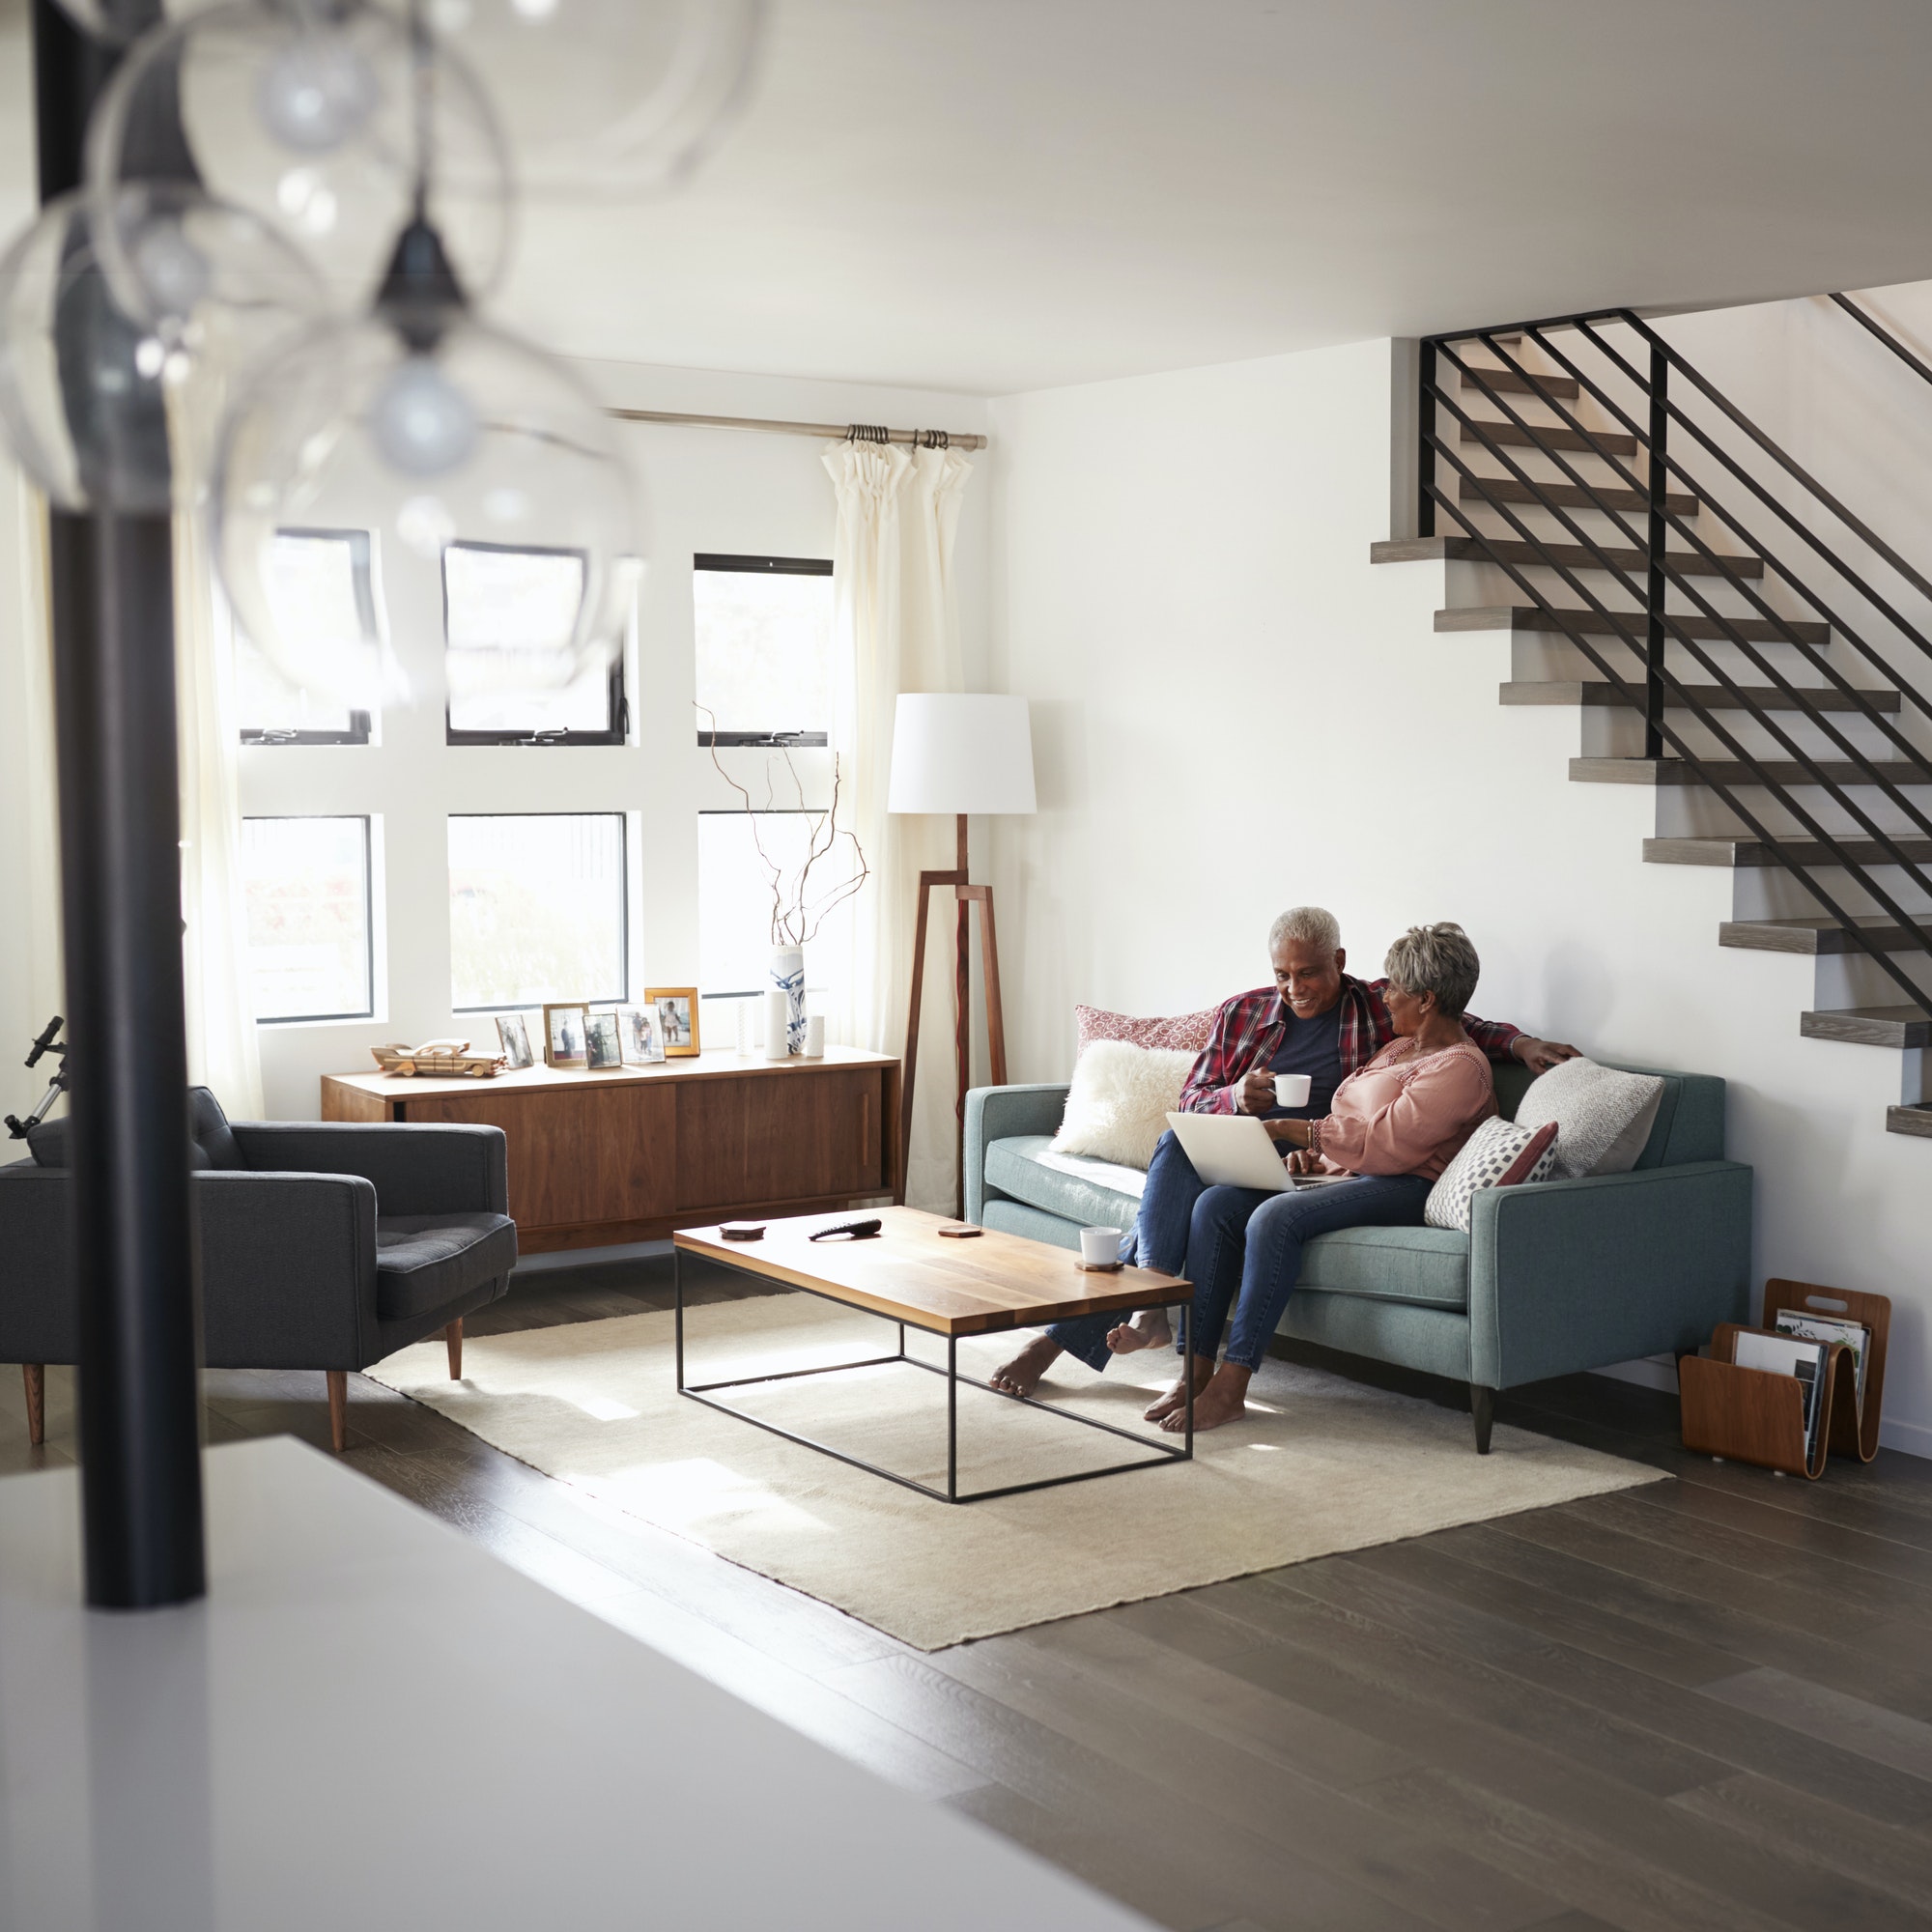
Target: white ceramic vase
787	975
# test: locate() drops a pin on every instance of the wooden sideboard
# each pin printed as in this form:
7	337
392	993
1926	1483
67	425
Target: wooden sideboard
630	1154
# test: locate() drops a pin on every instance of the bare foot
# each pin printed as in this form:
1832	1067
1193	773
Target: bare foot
1176	1399
1021	1376
1149	1329
1223	1399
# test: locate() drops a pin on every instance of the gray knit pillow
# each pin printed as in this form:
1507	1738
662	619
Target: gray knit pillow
1603	1117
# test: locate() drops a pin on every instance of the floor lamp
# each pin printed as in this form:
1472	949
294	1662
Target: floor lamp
958	755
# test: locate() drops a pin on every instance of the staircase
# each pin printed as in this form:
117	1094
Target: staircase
1654	557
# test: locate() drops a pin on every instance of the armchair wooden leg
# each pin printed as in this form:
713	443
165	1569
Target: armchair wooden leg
1483	1407
338	1408
34	1374
453	1337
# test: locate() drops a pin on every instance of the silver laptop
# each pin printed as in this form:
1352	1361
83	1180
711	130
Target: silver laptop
1236	1150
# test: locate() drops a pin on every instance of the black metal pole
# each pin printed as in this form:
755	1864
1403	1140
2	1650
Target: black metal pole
112	596
1424	454
1660	484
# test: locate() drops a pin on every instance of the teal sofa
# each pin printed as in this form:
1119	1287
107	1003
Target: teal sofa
1551	1278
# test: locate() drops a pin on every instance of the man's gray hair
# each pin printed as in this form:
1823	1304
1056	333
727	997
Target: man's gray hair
1435	959
1316	924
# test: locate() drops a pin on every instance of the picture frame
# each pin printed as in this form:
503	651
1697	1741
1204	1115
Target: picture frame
641	1037
566	1026
513	1035
603	1043
676	1010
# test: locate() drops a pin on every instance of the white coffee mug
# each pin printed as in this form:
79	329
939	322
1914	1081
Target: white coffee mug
1291	1090
1100	1247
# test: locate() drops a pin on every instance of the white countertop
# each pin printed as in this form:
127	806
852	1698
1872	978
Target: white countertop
372	1722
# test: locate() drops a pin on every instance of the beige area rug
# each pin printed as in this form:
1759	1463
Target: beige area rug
1319	1465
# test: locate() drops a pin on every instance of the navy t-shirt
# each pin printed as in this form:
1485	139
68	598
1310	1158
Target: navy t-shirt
1314	1047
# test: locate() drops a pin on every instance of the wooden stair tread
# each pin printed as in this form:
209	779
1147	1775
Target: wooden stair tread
1506	381
1735	772
1745	852
1572	495
1813	936
1625	623
1909	1120
1575	556
1507	436
1761	697
1869	1026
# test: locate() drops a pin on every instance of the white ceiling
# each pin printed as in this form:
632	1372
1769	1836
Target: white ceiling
992	195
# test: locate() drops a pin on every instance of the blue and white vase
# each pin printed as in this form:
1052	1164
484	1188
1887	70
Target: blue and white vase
788	977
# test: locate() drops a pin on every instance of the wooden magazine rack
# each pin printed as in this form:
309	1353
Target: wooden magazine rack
1751	1415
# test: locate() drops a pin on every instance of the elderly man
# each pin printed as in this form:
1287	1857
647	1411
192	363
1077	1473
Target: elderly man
1316	1019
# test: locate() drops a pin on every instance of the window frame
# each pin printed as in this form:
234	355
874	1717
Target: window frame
762	566
361	571
624	909
616	729
367	821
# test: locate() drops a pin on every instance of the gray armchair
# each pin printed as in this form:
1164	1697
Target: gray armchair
324	1246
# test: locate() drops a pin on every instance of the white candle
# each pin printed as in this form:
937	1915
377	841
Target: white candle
777	1016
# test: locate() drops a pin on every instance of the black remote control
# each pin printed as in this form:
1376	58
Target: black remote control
857	1231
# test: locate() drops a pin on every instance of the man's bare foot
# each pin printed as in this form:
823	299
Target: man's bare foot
1021	1376
1223	1399
1176	1399
1148	1330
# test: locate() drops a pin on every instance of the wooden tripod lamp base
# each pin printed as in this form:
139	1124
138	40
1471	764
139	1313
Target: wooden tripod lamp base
955	753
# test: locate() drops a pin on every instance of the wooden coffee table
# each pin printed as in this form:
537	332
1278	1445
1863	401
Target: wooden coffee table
915	1276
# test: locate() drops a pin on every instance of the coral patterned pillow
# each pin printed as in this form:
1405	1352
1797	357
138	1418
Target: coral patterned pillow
1500	1153
1186	1033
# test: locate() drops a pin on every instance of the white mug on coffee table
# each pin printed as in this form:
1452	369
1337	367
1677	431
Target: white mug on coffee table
1291	1090
1100	1247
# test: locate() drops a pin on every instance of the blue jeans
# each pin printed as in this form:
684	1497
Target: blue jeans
1237	1242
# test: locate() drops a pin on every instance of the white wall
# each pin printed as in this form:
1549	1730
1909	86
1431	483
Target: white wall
1235	712
707	490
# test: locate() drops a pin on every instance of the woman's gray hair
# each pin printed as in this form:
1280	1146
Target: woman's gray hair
1316	924
1435	959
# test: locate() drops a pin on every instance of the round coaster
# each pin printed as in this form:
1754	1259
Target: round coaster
958	1231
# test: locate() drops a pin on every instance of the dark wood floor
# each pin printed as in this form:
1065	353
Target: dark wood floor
1704	1703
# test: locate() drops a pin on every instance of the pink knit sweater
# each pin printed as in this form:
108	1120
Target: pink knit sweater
1405	1113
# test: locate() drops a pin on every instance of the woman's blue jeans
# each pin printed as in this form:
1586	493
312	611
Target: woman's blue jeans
1240	1248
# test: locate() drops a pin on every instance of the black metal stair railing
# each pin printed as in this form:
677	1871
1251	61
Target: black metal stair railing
1656	569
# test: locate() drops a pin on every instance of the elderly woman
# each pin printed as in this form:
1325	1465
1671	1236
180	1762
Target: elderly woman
1392	1128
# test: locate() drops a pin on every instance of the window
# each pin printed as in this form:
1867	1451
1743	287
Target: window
322	596
538	910
306	883
509	617
735	898
764	648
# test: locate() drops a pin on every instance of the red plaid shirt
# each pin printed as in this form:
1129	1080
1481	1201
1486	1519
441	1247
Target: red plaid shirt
1248	1029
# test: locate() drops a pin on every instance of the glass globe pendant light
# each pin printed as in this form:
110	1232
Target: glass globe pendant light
607	97
309	115
454	442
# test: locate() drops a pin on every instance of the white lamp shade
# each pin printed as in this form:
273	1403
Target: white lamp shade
954	752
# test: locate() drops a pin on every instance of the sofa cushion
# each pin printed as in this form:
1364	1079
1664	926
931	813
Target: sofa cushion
1017	1167
1500	1153
1604	1115
1118	1106
1186	1031
424	1262
1426	1265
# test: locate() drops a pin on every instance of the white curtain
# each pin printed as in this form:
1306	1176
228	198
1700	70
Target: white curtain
897	628
221	1046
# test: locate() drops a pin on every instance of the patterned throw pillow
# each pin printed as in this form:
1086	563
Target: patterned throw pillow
1186	1033
1500	1153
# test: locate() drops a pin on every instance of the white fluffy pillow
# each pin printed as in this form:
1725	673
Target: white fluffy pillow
1603	1117
1120	1101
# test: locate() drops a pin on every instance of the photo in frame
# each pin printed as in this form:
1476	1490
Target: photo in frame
513	1035
642	1042
676	1010
566	1031
604	1039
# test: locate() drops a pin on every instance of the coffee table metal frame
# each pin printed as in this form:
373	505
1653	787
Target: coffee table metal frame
705	1392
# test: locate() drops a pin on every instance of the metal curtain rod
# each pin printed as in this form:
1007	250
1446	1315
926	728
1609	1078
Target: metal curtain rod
829	432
